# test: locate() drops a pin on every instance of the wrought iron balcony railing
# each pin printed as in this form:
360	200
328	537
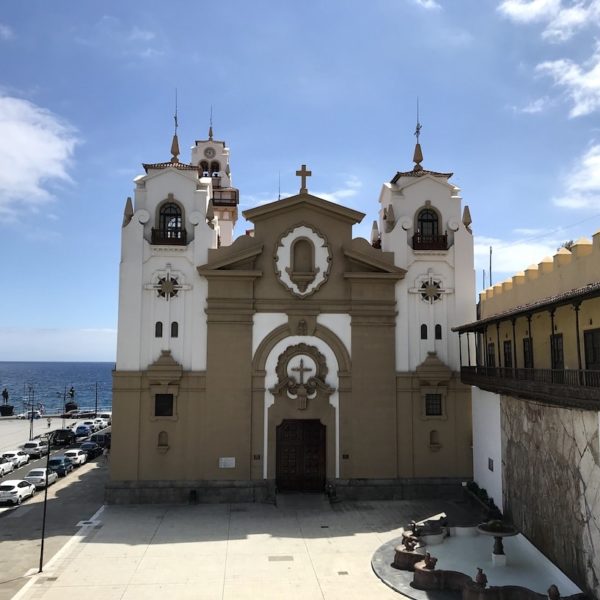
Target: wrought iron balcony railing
565	387
225	197
430	242
170	237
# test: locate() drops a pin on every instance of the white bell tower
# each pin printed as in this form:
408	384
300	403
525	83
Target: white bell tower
212	159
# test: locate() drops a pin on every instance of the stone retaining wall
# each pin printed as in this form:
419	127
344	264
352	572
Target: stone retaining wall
551	483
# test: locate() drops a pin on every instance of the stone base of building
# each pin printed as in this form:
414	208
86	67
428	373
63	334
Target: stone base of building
442	488
188	492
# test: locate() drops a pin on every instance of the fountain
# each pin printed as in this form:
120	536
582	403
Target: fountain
498	530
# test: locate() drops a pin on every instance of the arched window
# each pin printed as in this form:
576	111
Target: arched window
204	167
438	332
215	167
423	331
174	329
158	329
163	439
427	223
170	221
434	438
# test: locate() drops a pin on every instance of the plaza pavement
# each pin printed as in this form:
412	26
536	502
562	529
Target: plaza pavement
304	548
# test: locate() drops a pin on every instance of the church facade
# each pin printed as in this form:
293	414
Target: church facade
296	357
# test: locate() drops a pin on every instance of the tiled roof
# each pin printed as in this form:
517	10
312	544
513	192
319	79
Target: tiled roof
419	174
166	165
591	290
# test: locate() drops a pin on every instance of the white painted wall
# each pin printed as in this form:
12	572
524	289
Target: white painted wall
487	443
454	268
143	263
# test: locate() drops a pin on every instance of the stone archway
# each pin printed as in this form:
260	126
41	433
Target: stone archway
271	406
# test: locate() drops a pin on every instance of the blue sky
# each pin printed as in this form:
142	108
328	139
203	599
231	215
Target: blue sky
509	95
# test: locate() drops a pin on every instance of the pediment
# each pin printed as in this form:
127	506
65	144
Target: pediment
165	368
240	256
416	181
338	211
363	258
188	175
433	371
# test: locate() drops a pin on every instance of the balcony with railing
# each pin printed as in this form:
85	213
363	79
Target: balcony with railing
225	197
421	241
172	236
564	387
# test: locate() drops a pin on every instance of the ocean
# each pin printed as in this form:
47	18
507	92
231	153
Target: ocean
44	384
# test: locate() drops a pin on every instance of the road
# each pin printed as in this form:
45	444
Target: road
71	499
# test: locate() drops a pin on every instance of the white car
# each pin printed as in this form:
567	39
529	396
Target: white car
77	457
39	477
91	424
100	423
36	448
6	466
16	490
107	416
18	457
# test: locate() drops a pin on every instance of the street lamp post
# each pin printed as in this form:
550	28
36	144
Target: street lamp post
45	505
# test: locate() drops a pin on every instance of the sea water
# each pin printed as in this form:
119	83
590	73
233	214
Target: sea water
45	385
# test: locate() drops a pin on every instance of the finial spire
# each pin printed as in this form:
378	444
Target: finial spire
210	131
175	142
279	187
418	154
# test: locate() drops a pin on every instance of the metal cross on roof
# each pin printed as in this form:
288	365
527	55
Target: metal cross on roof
303	173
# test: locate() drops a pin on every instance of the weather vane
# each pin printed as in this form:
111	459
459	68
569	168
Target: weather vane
418	128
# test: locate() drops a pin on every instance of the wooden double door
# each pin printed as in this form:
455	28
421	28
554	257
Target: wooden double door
300	456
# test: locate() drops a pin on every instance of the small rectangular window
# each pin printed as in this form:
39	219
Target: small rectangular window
490	464
527	354
163	405
433	405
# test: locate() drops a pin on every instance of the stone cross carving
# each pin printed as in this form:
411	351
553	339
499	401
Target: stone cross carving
303	173
301	369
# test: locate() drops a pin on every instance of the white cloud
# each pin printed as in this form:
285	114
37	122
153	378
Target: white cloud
561	20
36	149
582	184
535	106
510	257
428	4
350	189
6	33
581	83
110	35
58	344
527	11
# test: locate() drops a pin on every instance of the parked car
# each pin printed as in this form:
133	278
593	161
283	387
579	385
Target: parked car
77	456
107	416
6	466
36	448
100	423
39	477
15	491
91	424
91	449
63	437
102	439
36	414
18	457
61	464
83	431
70	414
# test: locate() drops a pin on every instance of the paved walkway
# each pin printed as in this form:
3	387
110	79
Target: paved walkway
301	549
15	432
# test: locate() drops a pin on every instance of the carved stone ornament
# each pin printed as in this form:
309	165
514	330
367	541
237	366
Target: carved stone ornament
302	260
301	388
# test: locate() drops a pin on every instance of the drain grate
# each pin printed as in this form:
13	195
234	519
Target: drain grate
324	526
342	572
280	558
